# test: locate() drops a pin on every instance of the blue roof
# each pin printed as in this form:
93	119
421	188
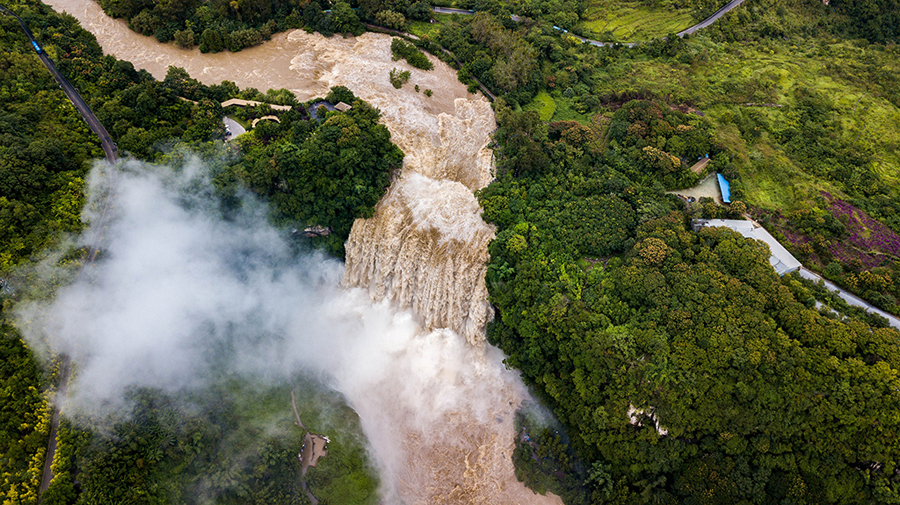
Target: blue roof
725	188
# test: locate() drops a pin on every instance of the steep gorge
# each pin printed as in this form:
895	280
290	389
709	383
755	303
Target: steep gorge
440	420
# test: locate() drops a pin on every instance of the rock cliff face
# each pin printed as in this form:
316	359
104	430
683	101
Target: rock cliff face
437	409
426	246
426	249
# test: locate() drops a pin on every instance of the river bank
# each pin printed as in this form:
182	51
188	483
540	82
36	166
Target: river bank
439	413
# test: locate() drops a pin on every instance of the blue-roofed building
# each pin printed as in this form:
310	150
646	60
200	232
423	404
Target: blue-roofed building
725	188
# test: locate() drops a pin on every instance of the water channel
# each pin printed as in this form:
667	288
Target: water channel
449	437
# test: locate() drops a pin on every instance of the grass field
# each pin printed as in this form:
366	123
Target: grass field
633	22
721	78
556	108
425	29
566	112
544	104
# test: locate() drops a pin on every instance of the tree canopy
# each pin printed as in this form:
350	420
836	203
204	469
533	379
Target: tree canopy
685	369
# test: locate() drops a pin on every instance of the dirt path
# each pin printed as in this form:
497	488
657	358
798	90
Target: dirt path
313	449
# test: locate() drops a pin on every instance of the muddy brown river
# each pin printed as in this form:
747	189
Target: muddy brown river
425	250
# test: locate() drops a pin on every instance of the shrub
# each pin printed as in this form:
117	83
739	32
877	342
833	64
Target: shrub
412	55
391	19
185	38
211	41
399	78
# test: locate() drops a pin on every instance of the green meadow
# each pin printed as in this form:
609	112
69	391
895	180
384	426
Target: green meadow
750	91
633	21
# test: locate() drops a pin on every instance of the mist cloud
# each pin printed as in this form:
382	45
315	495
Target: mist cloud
181	296
179	293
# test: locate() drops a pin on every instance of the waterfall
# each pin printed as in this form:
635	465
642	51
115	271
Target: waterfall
438	407
445	416
426	246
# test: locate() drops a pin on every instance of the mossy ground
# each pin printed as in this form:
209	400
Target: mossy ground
426	29
544	104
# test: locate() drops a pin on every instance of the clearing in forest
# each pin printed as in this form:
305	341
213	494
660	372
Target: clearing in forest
633	21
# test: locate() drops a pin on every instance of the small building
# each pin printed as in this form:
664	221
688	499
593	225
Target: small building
341	106
781	260
253	103
724	188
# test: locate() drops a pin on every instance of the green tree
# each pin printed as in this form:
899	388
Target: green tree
344	20
185	38
211	41
391	19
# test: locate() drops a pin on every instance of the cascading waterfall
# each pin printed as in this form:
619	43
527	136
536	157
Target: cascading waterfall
426	248
441	422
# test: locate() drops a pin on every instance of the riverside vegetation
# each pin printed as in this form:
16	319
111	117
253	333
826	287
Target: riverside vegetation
682	368
168	450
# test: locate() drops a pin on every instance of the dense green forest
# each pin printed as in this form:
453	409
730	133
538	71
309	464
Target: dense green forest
45	155
324	171
234	442
685	369
802	122
682	369
169	450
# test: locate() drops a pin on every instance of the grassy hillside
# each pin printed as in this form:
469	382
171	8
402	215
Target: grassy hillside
753	93
633	21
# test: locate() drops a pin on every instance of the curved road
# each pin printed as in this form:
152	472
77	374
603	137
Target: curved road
712	19
687	31
111	151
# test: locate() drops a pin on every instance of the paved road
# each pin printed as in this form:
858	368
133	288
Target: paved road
47	474
111	151
105	140
234	127
850	298
712	19
447	10
687	31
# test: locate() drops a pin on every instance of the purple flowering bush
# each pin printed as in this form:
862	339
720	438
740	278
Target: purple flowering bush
869	241
845	243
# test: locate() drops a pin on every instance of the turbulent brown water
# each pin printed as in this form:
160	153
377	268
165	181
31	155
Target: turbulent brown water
448	437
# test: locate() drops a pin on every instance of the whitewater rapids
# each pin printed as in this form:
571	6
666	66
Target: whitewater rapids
449	437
